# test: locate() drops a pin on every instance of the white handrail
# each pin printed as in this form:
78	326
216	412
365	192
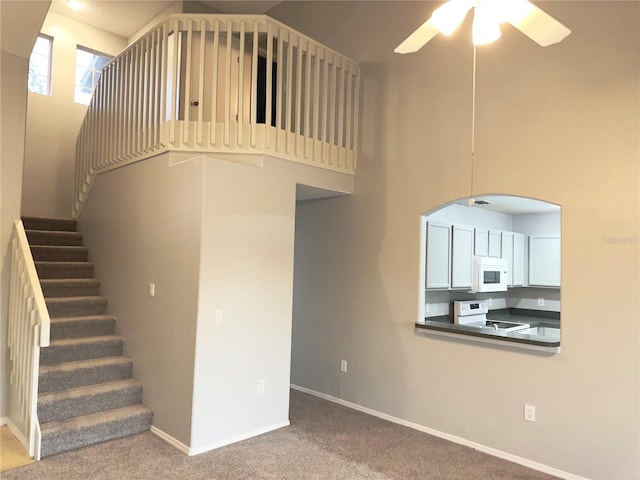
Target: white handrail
28	331
196	83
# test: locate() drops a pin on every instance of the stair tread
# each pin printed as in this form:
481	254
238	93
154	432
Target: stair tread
54	232
83	364
94	418
88	390
59	221
82	318
66	342
69	281
84	298
56	263
60	248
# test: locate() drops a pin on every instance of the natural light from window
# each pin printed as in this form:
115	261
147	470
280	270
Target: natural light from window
40	66
89	66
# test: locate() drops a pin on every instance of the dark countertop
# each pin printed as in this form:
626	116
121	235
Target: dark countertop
544	331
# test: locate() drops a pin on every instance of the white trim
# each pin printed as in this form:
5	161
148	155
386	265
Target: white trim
452	438
170	440
238	438
15	431
212	446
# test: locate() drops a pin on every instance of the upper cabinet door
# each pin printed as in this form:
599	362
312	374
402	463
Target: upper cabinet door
518	259
495	242
438	258
507	254
462	256
544	260
481	244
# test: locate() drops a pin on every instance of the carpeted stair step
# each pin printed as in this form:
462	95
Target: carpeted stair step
76	306
42	223
70	287
87	400
61	436
59	253
86	372
75	349
48	270
79	327
47	237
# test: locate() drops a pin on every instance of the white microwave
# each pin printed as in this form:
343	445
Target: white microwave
489	275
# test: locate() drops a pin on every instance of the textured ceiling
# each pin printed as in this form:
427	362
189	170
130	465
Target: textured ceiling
125	18
121	18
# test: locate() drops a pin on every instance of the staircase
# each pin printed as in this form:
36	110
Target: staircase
85	393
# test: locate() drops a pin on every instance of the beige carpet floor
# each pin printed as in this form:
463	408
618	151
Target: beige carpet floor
324	441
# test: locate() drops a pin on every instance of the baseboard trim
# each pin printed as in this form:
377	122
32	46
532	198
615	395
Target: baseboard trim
212	446
170	440
15	431
238	438
446	436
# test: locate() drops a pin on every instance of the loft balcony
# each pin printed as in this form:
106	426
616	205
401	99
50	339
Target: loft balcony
224	84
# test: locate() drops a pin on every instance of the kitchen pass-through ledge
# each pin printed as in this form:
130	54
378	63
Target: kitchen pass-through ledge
520	341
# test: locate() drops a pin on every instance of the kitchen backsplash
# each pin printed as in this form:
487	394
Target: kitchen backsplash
438	303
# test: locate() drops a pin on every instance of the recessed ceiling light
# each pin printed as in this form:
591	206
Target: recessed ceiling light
75	4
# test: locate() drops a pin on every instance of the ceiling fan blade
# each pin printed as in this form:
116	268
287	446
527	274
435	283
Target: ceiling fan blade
538	25
417	39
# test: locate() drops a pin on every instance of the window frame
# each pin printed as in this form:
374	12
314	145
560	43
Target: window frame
76	85
49	57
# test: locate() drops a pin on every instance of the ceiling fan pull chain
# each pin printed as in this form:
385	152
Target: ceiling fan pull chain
473	119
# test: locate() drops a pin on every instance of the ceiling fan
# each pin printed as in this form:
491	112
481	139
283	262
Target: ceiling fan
541	27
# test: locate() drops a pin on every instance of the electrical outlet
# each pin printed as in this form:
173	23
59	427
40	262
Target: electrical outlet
541	302
427	308
152	289
260	387
529	413
343	365
219	316
489	302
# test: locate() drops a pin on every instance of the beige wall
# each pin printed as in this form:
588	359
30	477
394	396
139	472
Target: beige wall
246	273
20	25
560	124
142	225
53	121
212	235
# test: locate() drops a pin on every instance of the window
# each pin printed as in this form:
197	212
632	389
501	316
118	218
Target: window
89	66
40	66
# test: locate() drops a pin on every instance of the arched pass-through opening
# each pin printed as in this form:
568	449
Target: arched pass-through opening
490	271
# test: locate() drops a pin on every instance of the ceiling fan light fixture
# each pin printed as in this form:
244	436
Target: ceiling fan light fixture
486	27
75	4
448	17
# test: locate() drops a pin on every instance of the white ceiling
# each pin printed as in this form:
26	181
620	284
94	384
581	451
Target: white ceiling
241	6
125	18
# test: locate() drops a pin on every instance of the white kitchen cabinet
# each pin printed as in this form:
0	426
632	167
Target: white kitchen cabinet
495	243
481	242
513	252
462	256
506	252
438	257
518	259
544	260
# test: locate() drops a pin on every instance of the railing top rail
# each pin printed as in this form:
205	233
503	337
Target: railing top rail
34	281
234	18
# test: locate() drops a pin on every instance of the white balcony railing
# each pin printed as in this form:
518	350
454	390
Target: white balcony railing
28	330
221	83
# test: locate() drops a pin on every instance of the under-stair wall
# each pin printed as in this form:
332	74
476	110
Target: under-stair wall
216	238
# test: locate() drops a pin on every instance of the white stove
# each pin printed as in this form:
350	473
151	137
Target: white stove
473	313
